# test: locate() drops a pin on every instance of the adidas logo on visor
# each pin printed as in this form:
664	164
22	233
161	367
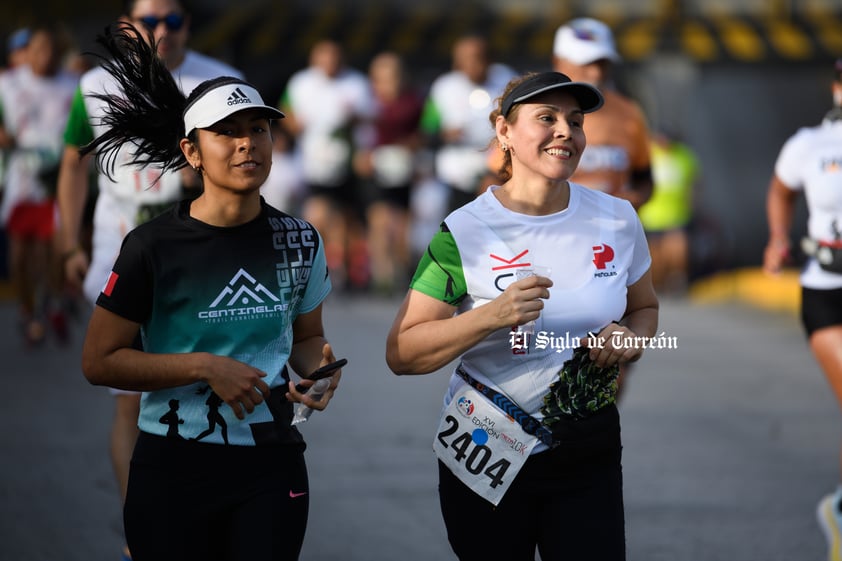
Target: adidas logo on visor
222	101
237	97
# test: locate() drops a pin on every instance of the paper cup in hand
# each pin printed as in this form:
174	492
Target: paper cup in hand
531	271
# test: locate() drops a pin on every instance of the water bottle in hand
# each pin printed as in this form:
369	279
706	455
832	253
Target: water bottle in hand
316	391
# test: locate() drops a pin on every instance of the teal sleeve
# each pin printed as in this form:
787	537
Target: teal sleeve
439	273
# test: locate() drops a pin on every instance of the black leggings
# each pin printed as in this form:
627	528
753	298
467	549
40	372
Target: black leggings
566	502
211	502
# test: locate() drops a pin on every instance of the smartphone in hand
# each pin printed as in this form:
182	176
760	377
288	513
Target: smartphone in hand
323	372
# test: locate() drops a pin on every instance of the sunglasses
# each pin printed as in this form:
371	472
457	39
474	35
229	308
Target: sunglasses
173	21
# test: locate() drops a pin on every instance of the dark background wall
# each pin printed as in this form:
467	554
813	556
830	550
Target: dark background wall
735	78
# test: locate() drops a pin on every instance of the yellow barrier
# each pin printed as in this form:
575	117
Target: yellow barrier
751	285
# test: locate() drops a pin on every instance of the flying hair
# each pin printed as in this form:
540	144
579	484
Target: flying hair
147	111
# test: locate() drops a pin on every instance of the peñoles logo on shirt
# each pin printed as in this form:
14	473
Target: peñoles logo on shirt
602	255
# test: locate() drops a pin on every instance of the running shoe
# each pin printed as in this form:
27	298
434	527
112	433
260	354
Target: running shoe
830	519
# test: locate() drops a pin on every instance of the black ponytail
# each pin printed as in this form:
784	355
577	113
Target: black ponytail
147	111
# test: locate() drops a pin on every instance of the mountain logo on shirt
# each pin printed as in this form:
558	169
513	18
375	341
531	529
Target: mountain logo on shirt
243	298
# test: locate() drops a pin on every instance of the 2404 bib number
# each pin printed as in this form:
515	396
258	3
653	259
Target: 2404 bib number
470	446
482	446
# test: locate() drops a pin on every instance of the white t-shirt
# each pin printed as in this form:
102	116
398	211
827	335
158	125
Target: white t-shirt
811	161
327	108
595	249
34	110
133	185
465	106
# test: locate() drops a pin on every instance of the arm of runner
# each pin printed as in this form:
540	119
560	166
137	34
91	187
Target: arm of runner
311	350
780	207
7	141
110	359
641	183
426	335
639	320
640	187
72	194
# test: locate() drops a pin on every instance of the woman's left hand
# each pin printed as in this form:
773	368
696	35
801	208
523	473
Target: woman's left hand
616	345
321	403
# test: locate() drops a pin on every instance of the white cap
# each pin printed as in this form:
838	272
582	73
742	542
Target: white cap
583	41
227	98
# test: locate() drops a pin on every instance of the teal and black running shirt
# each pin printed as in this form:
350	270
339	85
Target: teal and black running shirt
228	291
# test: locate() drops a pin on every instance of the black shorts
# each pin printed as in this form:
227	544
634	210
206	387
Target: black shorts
566	502
192	501
820	308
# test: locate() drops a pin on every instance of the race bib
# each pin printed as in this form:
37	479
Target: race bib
481	445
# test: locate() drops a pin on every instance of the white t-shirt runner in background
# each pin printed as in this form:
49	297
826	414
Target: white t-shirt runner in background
34	111
460	104
811	161
328	107
121	199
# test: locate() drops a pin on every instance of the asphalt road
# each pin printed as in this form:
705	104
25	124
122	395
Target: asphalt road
729	442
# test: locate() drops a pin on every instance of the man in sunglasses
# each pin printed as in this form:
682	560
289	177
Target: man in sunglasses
131	195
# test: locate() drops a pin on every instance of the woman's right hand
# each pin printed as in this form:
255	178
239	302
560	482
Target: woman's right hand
522	301
239	385
75	268
775	256
427	334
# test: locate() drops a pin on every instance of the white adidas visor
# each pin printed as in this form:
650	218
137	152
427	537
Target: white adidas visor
222	101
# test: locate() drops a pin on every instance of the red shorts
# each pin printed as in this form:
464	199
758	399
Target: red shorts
32	221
